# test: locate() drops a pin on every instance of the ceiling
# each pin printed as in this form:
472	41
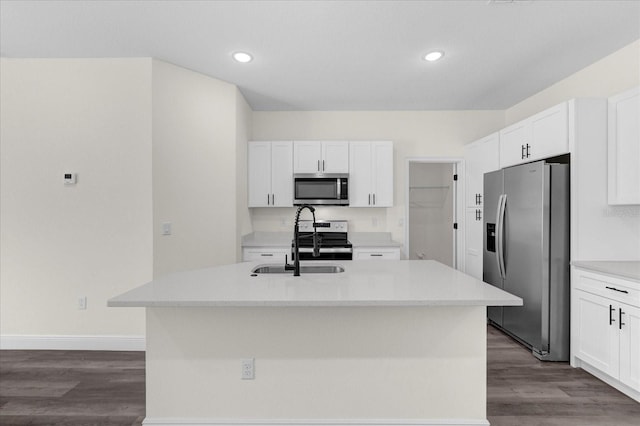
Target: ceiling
339	55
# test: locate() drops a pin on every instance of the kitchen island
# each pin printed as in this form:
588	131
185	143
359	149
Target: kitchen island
384	343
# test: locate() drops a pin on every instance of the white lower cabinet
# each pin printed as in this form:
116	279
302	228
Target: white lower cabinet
266	254
606	328
376	253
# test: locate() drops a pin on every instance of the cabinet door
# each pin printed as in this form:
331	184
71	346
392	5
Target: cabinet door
307	156
549	133
382	174
473	242
282	174
335	157
624	148
360	174
481	156
513	142
630	346
259	170
597	332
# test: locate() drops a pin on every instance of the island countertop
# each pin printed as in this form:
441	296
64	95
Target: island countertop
364	283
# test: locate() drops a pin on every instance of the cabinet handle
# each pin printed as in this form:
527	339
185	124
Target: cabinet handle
611	309
620	323
266	254
374	199
273	199
375	255
479	198
369	199
323	165
528	154
318	165
619	291
522	152
478	214
267	199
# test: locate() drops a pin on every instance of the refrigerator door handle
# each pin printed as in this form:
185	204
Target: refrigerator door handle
502	201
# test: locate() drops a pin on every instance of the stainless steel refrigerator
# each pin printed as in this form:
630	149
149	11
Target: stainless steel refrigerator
526	253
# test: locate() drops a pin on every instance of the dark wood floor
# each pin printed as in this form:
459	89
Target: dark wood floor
107	389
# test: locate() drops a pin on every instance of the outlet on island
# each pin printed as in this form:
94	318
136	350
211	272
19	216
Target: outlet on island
248	369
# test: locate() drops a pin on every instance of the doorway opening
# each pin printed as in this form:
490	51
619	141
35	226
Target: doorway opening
432	200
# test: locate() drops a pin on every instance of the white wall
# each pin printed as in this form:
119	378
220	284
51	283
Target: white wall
414	133
93	239
610	75
244	115
194	169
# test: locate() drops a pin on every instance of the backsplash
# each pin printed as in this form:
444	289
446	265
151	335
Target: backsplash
281	219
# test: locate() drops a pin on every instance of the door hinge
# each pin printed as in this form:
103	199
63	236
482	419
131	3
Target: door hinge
455	226
455	177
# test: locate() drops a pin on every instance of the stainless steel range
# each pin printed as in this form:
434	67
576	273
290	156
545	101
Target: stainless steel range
331	237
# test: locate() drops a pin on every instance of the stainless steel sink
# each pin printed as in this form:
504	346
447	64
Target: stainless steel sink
304	269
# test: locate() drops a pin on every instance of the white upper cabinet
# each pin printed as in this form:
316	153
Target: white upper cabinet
624	148
270	172
480	157
543	135
321	157
371	174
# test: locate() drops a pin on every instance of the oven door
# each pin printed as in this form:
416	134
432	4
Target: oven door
320	189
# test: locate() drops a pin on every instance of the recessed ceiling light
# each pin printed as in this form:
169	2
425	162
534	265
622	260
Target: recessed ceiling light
433	56
242	57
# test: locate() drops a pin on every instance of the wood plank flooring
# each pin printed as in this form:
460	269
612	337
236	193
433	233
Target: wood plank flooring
523	391
105	388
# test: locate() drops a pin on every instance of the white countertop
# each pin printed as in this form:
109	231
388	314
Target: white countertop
364	283
629	269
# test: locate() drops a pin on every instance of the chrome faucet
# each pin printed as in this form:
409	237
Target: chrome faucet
296	241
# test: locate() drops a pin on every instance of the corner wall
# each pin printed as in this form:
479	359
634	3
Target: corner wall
194	169
93	239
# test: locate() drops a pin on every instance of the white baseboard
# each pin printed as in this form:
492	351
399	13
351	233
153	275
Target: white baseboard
84	343
313	422
631	393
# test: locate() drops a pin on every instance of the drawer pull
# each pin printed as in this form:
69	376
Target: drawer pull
615	289
611	309
266	254
376	254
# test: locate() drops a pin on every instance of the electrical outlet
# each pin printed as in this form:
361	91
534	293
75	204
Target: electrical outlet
166	228
248	369
82	303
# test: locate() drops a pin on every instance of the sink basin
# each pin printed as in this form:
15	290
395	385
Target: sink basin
304	269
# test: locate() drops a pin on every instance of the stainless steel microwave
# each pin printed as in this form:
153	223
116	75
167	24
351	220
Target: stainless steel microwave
321	189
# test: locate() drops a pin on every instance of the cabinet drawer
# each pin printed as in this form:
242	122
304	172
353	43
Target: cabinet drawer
376	254
268	255
612	288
